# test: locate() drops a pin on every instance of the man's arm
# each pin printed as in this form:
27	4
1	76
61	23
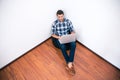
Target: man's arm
71	27
55	36
54	31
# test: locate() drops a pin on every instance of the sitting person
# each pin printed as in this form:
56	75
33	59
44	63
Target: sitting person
60	27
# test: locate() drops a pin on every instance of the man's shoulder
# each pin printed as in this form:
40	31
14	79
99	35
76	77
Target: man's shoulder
55	22
67	20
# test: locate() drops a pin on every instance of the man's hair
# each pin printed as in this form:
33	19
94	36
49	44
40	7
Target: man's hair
59	12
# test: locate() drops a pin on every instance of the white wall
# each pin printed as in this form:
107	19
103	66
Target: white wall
26	23
100	29
23	25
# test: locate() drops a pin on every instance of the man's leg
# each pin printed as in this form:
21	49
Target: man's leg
63	49
72	51
70	66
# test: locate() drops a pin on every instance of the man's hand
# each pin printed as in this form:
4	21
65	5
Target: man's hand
72	32
59	37
55	36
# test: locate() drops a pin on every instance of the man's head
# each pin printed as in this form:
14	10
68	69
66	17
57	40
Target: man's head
60	15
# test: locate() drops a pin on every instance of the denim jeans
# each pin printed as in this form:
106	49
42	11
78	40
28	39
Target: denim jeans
64	47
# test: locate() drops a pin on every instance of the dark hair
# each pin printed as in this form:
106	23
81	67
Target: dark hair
59	12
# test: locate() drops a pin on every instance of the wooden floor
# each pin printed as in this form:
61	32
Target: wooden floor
46	62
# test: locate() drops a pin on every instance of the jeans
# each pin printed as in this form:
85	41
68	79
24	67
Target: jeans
64	47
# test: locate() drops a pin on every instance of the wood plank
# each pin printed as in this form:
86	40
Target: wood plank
46	62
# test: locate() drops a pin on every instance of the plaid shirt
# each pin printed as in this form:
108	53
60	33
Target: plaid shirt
62	28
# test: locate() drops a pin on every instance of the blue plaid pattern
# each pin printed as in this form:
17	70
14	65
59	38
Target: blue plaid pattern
62	28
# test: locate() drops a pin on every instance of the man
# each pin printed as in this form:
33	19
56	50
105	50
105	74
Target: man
60	27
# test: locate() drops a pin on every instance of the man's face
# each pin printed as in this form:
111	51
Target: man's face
60	17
